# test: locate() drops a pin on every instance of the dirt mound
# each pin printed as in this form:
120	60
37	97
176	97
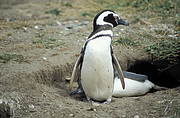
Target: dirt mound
42	48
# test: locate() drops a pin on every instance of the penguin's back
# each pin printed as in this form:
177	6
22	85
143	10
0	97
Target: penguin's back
133	87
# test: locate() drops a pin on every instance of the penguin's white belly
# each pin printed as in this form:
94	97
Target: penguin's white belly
97	70
132	88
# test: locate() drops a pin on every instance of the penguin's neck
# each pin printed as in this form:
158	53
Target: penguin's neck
101	30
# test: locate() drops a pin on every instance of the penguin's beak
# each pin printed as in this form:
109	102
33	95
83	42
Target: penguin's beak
121	21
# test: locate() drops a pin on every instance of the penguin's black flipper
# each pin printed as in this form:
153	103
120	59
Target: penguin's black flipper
78	62
118	67
79	90
133	76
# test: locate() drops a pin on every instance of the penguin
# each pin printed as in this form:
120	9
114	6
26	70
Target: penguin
97	60
136	85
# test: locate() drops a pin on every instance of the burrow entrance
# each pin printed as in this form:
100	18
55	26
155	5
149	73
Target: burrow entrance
161	73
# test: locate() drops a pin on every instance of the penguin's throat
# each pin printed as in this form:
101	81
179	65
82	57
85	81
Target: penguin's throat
102	27
101	30
102	33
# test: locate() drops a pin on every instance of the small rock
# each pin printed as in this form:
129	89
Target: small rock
59	106
25	29
141	29
92	109
177	32
1	101
172	36
59	23
12	19
122	30
161	101
36	27
44	58
84	23
116	35
136	116
150	25
71	115
61	32
76	21
152	111
123	116
31	106
52	24
154	28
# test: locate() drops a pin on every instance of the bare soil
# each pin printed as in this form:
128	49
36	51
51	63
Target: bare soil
39	88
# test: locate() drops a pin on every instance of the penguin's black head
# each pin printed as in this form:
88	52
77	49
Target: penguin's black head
108	17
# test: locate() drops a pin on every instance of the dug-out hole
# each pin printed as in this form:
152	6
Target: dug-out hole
53	76
160	72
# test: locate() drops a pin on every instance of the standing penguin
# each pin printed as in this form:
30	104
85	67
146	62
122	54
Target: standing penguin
97	59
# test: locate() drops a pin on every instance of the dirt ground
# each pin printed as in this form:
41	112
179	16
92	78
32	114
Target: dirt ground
38	88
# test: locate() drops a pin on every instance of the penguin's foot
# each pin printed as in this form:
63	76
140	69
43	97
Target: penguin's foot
159	88
77	91
108	101
89	99
92	102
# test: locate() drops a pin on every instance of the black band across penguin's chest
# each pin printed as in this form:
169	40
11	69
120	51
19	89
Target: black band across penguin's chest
98	36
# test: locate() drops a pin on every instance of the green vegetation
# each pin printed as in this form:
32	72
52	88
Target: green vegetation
15	57
125	41
40	35
86	14
165	49
2	2
147	35
160	8
55	11
164	11
49	43
135	19
155	5
67	4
